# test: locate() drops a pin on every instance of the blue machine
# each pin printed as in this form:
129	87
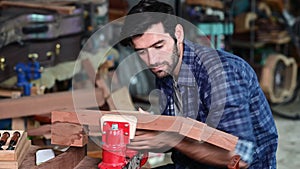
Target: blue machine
25	74
28	72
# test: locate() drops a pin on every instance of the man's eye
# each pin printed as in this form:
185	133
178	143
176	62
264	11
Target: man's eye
158	47
141	52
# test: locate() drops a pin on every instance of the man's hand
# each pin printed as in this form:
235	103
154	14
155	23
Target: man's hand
154	141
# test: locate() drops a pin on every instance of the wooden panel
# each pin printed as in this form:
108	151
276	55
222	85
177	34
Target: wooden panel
42	104
187	127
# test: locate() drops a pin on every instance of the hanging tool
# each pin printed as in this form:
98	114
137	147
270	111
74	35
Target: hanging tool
13	141
3	139
116	134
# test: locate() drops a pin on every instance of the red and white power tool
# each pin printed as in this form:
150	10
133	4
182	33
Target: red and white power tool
117	131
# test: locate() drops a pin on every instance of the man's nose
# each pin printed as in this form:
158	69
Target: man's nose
152	56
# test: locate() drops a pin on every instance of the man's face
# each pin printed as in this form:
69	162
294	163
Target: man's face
158	50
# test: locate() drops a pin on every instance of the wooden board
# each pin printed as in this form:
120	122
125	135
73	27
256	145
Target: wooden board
47	6
209	3
187	127
66	160
10	93
43	104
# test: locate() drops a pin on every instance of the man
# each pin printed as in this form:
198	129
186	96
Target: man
211	86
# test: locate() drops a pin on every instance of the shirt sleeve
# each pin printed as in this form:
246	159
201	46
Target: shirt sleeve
228	101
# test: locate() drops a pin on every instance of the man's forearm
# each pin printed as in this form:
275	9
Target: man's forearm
206	153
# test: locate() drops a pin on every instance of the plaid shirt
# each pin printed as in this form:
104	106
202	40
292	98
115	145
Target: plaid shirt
223	91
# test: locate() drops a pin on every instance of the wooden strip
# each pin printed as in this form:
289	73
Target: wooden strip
210	3
59	9
10	93
24	152
187	127
89	69
18	123
42	104
39	131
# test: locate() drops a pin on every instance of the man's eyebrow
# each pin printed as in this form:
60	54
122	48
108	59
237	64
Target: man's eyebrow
158	42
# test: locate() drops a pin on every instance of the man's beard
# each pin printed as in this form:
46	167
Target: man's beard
170	66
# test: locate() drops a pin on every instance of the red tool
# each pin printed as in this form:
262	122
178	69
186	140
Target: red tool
116	134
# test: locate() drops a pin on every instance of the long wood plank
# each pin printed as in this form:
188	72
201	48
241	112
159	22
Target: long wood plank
42	104
47	6
184	126
209	3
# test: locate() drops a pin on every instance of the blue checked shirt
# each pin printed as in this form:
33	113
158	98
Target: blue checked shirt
223	91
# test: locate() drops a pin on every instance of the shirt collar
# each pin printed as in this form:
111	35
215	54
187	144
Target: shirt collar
186	76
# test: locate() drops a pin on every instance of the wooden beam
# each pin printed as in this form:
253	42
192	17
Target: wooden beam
42	104
10	93
209	3
47	6
184	126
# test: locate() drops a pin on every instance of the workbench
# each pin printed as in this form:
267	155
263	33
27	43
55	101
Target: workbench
74	157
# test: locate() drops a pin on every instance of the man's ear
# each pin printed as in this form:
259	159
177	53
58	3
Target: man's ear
179	33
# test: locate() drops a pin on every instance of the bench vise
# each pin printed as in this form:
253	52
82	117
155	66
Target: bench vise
117	130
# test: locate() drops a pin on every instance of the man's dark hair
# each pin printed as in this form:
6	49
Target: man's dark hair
149	12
